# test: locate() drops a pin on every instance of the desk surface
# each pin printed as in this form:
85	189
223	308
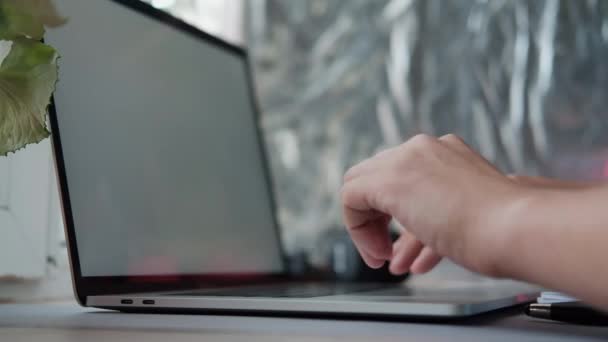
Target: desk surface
69	322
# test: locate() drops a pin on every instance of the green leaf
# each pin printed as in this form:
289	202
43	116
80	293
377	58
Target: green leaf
27	18
28	76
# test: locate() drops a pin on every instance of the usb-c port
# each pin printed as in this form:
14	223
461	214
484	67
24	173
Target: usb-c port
148	301
126	301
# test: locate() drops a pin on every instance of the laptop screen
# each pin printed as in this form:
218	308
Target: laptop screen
163	162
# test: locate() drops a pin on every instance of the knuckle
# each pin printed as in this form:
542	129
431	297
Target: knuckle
421	139
346	195
415	148
516	178
349	175
420	142
452	138
355	171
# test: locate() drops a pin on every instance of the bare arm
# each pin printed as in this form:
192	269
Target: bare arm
559	239
455	204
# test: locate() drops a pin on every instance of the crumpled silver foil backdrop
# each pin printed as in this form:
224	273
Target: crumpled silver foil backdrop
522	81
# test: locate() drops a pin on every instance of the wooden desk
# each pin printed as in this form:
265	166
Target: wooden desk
69	322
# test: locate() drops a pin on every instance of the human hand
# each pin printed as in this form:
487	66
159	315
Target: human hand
448	197
409	253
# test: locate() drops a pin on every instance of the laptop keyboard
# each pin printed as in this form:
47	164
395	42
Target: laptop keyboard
287	290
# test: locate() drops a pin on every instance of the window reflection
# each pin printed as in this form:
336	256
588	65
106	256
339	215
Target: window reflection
218	17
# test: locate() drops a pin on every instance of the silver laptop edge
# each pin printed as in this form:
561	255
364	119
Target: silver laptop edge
336	305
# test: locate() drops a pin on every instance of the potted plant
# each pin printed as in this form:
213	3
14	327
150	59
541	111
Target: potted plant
28	71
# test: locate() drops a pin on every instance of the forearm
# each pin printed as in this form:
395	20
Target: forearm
559	239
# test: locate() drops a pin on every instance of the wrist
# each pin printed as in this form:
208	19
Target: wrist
506	229
521	225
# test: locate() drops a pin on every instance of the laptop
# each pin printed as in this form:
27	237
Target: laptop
165	187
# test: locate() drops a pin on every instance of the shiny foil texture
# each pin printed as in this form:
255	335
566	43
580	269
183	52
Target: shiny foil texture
524	82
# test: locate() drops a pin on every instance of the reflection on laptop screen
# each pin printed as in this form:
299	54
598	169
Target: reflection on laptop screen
163	165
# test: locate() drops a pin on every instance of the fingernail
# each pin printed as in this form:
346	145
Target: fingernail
391	269
395	272
415	268
376	267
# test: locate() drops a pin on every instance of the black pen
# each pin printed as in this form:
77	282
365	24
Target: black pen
569	312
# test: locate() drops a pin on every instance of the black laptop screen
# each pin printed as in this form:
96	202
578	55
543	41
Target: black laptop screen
163	165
